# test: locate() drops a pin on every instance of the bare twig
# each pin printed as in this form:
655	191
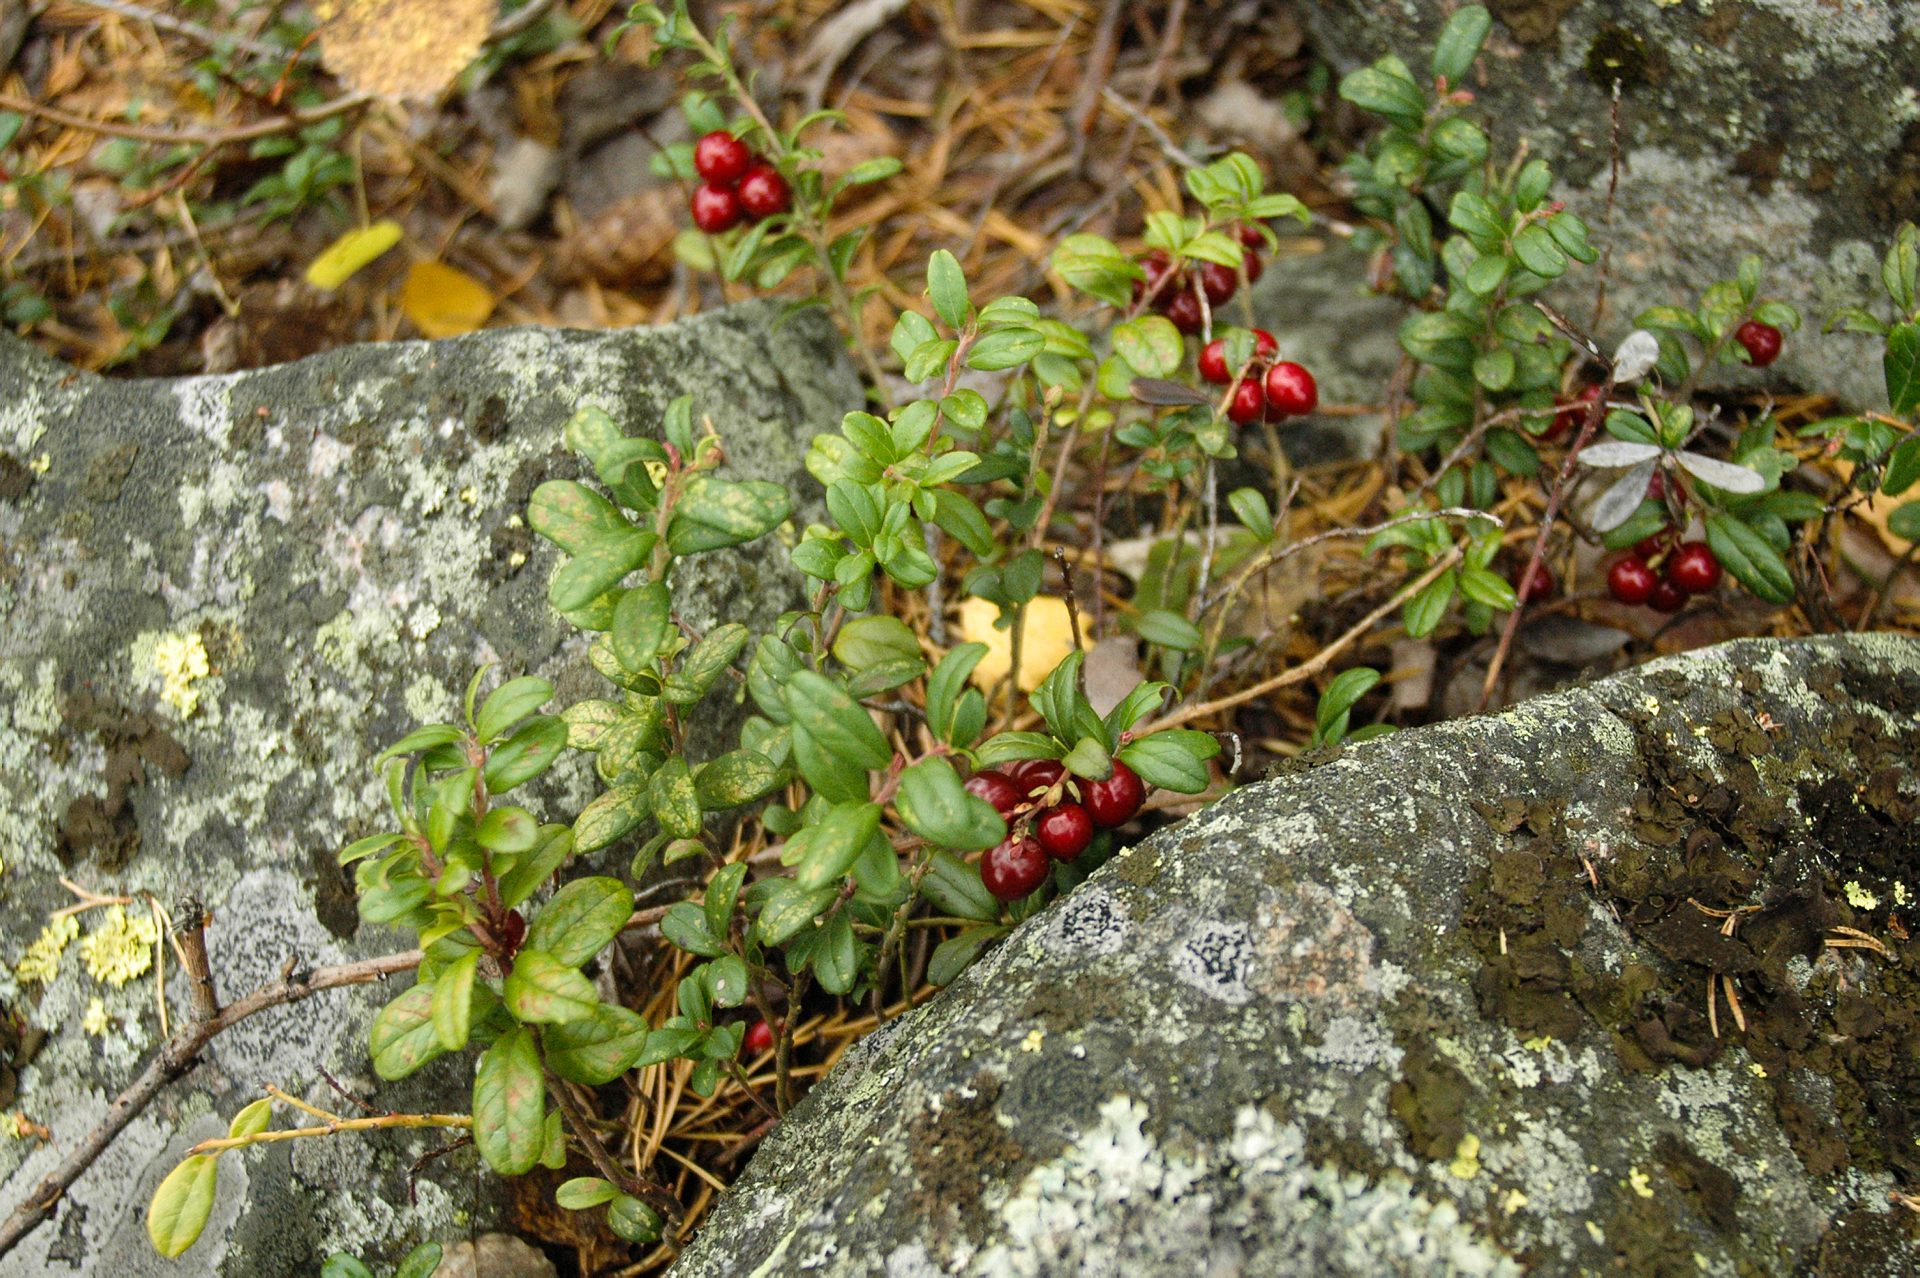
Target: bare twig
174	1060
190	137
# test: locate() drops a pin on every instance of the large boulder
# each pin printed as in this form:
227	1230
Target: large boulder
343	539
1748	126
1438	1004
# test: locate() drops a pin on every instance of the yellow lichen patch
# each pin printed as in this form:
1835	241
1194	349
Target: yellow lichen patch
1859	898
1046	637
181	660
41	962
1032	1042
1513	1202
121	948
1638	1180
95	1021
1466	1157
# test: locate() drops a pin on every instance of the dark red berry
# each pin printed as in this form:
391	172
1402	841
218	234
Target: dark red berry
1250	236
715	208
1218	282
1182	307
763	192
1249	402
1657	487
1291	390
1761	340
998	789
721	158
1666	597
1630	580
1250	262
1574	414
1694	568
1539	585
1114	801
1064	831
1014	868
759	1039
1265	345
513	930
1032	777
1155	264
1653	547
1213	362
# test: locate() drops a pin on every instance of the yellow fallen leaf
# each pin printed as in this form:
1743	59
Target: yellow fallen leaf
1046	637
402	48
444	302
346	255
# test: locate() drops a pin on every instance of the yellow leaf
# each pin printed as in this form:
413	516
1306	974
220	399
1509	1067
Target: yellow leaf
346	255
402	48
444	302
1046	637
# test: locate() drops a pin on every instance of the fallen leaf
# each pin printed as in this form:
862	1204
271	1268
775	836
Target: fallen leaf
401	48
1046	637
338	262
444	302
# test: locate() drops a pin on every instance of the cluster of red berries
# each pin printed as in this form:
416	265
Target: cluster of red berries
1272	390
1688	568
1061	829
736	185
1172	292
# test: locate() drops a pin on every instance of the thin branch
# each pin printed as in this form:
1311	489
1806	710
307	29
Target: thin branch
174	1060
192	30
189	137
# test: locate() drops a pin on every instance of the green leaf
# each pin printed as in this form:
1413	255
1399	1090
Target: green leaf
947	288
1144	700
1169	630
938	808
835	721
1423	612
673	799
509	1103
610	817
705	662
1172	760
595	1049
954	888
835	961
1089	758
581	919
956	515
1750	557
790	908
723	893
1385	88
341	1265
1494	369
1903	467
1459	43
452	1007
182	1204
598	567
530	751
542	990
1151	345
403	1038
1902	364
1537	252
868	641
1058	697
420	1262
727	978
1342	695
420	739
1006	747
1475	218
837	840
713	513
736	778
954	955
1484	587
251	1120
685	925
633	1220
583	1192
642	623
1250	507
573	516
1904	522
366	847
947	684
1005	348
507	829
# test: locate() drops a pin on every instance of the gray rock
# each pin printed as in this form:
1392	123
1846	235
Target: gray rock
344	538
1319	307
1781	127
1374	1017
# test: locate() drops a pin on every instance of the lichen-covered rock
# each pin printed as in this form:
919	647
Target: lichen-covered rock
221	597
1439	1004
1781	127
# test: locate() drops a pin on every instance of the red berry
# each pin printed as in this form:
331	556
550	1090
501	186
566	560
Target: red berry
1291	390
1666	597
1657	486
1014	868
763	192
1630	580
998	789
721	158
1248	402
1064	831
513	931
1156	265
1218	282
1032	777
1538	586
759	1039
1213	362
1265	345
1182	307
1694	568
1655	546
1761	340
1251	263
1574	414
1114	801
1250	236
715	208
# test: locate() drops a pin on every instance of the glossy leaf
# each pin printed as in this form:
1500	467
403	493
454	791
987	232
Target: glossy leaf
581	919
403	1037
181	1205
509	1104
542	990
